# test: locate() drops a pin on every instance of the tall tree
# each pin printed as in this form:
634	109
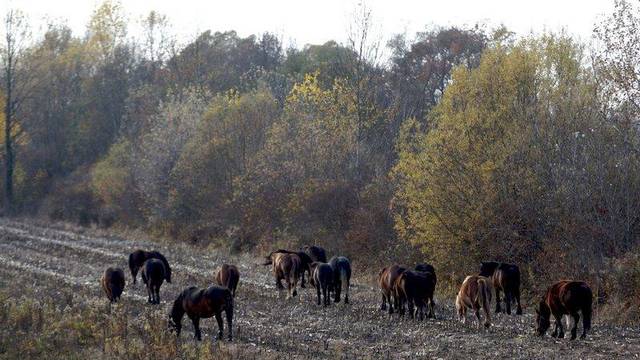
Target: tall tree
16	87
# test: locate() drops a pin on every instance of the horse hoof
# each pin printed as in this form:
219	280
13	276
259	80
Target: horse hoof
583	336
519	312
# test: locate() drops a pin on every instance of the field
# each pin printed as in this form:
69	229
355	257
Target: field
51	306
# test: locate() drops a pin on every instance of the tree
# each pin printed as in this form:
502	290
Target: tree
17	84
512	165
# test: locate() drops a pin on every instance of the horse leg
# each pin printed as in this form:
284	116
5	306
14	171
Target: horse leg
517	296
478	317
410	306
498	300
318	292
507	300
289	287
149	294
220	325
559	325
196	327
302	280
346	293
157	294
338	289
432	305
383	306
229	313
574	328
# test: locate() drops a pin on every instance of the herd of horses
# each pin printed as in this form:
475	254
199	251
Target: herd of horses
403	290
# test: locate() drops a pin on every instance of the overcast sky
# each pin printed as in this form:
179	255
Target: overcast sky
305	21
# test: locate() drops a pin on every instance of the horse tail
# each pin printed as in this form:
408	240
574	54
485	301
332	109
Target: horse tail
484	298
132	266
293	276
587	310
344	280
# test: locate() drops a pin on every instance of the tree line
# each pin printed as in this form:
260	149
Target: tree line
466	143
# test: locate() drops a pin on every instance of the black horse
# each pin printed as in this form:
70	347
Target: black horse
153	274
322	279
505	278
138	257
316	253
201	304
341	276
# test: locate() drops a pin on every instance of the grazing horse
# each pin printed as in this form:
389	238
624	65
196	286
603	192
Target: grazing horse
285	266
113	283
153	274
315	252
505	278
565	298
341	276
386	280
305	262
138	257
415	288
228	276
201	304
322	279
475	293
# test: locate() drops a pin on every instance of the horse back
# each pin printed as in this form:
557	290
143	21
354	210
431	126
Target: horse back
566	296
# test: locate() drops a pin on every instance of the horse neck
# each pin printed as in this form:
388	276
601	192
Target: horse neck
177	312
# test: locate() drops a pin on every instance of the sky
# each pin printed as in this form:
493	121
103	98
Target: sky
300	22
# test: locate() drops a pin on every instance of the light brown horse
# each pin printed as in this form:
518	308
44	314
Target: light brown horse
386	281
113	283
565	298
475	293
285	266
228	276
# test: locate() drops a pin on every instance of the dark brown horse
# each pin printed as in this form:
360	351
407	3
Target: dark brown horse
322	279
285	266
201	304
415	288
113	283
341	267
315	252
305	262
386	281
565	298
138	257
228	276
506	279
153	274
475	294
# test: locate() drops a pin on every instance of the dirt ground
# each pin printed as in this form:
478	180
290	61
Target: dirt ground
51	258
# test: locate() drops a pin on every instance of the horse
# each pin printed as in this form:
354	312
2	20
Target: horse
415	288
201	304
341	277
475	293
322	279
228	276
305	262
427	268
285	266
386	280
138	257
153	274
565	298
113	283
505	278
315	252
